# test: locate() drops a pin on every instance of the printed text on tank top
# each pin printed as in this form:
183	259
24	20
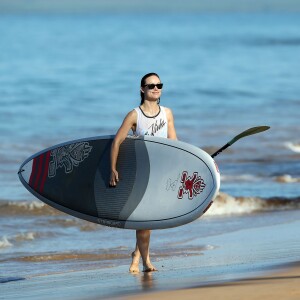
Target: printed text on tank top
154	125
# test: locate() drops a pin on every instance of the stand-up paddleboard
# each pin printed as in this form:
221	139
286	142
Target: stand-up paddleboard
163	183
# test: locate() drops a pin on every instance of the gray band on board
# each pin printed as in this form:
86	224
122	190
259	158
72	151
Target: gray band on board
117	203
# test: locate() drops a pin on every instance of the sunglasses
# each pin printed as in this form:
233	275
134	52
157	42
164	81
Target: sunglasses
151	86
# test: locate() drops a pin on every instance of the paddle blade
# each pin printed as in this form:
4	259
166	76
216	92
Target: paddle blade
249	131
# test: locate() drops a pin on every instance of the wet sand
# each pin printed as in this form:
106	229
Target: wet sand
282	284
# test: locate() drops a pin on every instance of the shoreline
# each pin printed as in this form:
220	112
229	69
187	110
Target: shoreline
281	284
241	260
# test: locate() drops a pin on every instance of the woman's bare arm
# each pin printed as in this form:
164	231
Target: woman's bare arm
128	123
171	127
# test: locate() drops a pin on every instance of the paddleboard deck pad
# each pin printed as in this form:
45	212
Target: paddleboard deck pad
162	183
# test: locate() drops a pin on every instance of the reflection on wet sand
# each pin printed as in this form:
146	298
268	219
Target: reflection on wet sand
147	281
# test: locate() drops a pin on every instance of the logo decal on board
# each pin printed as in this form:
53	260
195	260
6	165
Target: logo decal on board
191	185
68	156
172	184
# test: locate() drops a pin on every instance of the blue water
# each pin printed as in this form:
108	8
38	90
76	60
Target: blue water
65	77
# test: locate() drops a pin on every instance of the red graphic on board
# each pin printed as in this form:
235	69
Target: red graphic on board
191	185
39	172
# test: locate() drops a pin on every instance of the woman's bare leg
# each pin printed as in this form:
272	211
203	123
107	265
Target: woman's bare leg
134	267
143	242
141	249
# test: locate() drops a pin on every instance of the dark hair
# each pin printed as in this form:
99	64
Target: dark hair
143	82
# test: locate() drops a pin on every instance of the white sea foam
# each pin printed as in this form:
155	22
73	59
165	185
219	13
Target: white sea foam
286	178
27	236
26	208
293	146
21	237
28	205
4	242
240	178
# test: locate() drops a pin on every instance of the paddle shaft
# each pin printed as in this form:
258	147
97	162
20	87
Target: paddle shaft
247	132
220	150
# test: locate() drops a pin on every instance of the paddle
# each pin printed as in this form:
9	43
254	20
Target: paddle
247	132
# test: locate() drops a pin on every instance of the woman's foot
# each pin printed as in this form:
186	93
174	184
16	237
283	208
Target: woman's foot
149	268
134	267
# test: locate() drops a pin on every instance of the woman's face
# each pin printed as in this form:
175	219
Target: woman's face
151	94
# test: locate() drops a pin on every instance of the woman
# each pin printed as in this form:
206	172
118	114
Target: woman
148	119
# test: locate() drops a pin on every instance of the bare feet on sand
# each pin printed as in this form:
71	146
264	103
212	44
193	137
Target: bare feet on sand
149	268
134	268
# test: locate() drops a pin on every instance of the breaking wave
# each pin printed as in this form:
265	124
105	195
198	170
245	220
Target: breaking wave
9	241
286	179
225	204
11	208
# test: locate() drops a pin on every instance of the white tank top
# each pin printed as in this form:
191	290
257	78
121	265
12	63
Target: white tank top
155	126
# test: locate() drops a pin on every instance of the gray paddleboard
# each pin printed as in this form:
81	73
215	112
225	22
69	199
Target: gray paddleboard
163	183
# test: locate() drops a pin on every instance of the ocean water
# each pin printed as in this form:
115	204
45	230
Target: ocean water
65	77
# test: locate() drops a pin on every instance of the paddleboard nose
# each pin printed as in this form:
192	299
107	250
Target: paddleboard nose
25	171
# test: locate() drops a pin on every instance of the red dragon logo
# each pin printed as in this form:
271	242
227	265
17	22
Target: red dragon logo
191	185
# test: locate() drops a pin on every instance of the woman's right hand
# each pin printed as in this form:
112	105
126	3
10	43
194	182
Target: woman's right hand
114	178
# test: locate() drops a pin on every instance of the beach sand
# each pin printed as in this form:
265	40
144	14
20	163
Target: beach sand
280	285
